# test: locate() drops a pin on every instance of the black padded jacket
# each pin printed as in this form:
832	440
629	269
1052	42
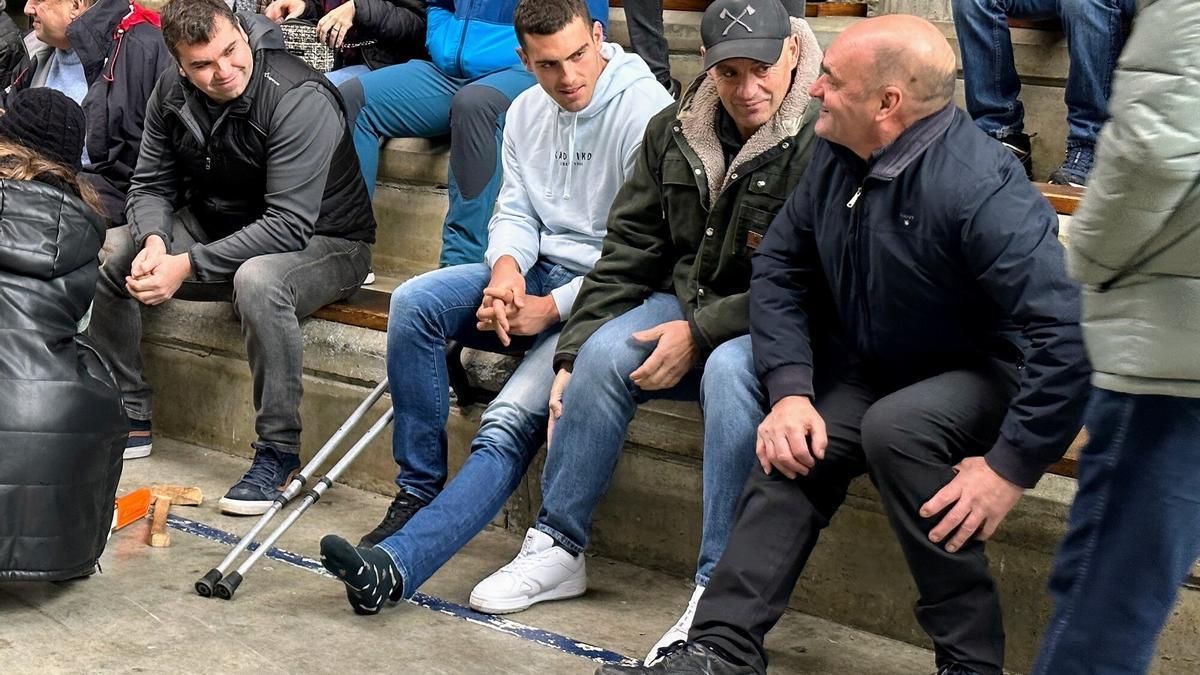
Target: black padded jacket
62	428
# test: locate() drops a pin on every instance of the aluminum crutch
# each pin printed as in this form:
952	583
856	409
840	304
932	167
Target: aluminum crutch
227	586
205	584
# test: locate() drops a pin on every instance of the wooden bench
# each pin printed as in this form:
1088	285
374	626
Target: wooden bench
368	308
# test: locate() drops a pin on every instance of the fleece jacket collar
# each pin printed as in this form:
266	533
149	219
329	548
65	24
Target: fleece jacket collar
697	115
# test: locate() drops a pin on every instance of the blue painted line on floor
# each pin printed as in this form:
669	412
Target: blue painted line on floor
542	637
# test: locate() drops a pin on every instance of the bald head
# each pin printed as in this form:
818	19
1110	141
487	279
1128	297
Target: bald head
910	53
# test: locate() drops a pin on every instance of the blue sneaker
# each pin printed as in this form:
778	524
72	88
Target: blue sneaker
1076	167
139	443
269	474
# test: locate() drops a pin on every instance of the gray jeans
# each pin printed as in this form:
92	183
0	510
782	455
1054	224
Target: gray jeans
270	294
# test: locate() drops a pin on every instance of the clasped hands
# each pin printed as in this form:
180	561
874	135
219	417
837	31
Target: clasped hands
156	275
507	310
792	439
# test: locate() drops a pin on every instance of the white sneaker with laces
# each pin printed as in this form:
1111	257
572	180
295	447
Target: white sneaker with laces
677	632
540	572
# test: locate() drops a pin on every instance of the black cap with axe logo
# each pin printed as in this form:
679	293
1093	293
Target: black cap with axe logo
747	29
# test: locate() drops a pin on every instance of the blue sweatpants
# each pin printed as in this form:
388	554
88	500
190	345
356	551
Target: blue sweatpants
415	99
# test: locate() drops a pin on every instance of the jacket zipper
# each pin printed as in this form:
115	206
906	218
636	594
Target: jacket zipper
462	36
856	260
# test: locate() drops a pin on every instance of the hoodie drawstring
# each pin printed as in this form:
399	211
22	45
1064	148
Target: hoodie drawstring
570	157
551	159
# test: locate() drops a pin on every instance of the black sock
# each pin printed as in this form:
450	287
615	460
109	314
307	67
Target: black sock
369	574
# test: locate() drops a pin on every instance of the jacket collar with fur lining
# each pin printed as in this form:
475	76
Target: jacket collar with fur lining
697	115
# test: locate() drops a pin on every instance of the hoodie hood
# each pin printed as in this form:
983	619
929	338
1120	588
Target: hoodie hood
698	107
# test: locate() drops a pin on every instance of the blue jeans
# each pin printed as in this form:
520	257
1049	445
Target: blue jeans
425	312
1095	34
1133	536
599	403
415	99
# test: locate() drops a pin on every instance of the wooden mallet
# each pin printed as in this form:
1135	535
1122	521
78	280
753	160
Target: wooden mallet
164	497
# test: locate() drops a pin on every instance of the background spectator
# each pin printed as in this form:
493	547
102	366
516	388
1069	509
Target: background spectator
397	28
105	55
12	48
1095	31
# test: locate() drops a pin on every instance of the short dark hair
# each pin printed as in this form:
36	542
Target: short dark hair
545	17
191	22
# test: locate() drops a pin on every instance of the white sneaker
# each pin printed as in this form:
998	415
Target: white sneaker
369	279
677	632
541	571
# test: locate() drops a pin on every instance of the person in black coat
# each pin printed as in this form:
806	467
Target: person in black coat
912	320
62	428
119	49
12	48
394	29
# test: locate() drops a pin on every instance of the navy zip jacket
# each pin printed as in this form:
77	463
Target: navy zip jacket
936	254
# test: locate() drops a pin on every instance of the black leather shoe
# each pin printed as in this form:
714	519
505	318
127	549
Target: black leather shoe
685	658
1021	146
954	669
403	507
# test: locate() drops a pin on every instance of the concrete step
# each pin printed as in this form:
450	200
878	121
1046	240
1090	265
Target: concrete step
142	615
1041	59
652	514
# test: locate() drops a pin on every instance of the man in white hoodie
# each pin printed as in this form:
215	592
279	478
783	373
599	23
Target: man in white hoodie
568	146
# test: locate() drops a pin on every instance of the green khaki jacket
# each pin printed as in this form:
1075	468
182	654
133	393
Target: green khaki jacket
686	224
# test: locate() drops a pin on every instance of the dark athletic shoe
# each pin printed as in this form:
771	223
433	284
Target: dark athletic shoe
684	658
402	509
369	574
955	669
269	474
1021	146
140	442
1075	167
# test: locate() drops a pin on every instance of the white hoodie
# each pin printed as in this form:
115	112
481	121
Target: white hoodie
562	169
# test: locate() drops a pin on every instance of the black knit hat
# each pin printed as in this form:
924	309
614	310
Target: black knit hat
46	121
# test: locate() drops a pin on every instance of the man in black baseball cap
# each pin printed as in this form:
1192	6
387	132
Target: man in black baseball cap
749	29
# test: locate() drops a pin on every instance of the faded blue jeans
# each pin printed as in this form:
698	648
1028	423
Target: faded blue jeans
599	403
1095	35
1133	535
425	312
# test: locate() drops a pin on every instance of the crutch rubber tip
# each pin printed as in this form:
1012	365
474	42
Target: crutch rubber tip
204	585
228	586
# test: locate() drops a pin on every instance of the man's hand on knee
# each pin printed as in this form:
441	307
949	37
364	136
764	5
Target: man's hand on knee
981	499
536	315
556	405
792	437
671	359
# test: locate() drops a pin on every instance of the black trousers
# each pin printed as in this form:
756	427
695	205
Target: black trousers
907	438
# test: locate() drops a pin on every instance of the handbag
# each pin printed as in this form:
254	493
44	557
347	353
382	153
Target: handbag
300	39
